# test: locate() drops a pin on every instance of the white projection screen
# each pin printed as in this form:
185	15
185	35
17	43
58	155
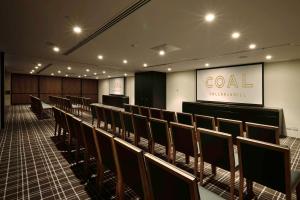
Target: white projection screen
235	84
116	86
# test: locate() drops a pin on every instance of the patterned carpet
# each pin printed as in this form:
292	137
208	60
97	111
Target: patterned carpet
35	165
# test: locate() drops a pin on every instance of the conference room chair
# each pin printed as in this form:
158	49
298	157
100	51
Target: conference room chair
141	129
131	169
127	108
89	145
232	127
100	116
79	137
203	121
185	118
145	111
64	125
135	109
169	116
116	123
167	181
216	148
267	164
105	155
265	133
184	141
94	113
107	119
127	124
71	131
57	125
160	135
155	113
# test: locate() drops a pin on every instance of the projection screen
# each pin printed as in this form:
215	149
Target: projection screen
116	86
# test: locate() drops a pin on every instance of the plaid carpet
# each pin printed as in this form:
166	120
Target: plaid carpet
35	165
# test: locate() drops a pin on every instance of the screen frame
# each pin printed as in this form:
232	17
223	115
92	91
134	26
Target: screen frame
235	103
124	80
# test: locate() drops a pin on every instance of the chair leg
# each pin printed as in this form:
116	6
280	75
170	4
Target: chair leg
55	130
232	181
298	191
213	170
120	190
100	175
187	159
201	170
249	185
196	166
241	189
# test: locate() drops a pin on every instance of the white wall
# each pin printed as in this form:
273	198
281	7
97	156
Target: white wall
281	82
103	88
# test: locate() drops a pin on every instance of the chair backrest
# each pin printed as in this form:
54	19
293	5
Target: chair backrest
116	119
131	167
71	131
145	111
265	163
107	115
216	148
184	138
56	114
104	145
141	126
167	181
100	113
88	138
93	111
63	119
127	108
127	124
135	109
155	113
206	122
262	132
232	127
169	116
185	118
78	131
159	131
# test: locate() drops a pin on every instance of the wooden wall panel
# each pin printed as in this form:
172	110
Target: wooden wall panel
50	85
21	98
89	86
94	97
21	83
71	86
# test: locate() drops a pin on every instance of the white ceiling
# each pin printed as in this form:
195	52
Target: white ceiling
28	27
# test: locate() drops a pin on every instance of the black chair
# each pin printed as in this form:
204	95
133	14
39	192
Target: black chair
185	118
265	133
127	108
131	169
145	111
57	118
169	116
267	164
203	121
76	123
127	124
216	148
100	116
107	119
167	181
184	140
232	127
116	122
155	113
141	129
160	134
94	113
135	109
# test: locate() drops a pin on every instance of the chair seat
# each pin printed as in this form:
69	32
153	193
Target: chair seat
295	179
207	195
46	106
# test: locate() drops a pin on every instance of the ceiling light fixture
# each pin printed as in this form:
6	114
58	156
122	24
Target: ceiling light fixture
77	29
207	64
125	74
161	52
125	61
268	57
69	68
100	57
103	72
30	72
169	69
235	35
79	76
59	71
56	49
95	73
97	77
39	64
87	70
67	75
36	67
52	74
209	17
108	76
252	46
145	65
84	75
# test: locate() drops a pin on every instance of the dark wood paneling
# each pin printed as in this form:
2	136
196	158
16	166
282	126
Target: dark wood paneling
71	86
50	85
89	86
2	78
94	97
45	97
21	83
21	98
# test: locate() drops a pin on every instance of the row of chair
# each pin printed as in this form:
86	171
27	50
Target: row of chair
65	104
39	108
84	102
256	131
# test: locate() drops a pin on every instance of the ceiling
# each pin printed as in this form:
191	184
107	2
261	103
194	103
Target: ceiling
29	30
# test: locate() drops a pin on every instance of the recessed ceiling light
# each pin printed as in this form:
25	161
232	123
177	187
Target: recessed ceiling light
125	61
108	76
87	70
77	29
103	72
235	35
95	73
33	70
36	67
100	57
59	71
30	72
52	74
56	49
69	68
67	75
145	65
79	76
209	17
169	69
97	77
161	52
268	57
207	64
39	64
84	75
125	74
252	46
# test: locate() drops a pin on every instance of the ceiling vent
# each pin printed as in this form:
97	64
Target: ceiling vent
166	47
